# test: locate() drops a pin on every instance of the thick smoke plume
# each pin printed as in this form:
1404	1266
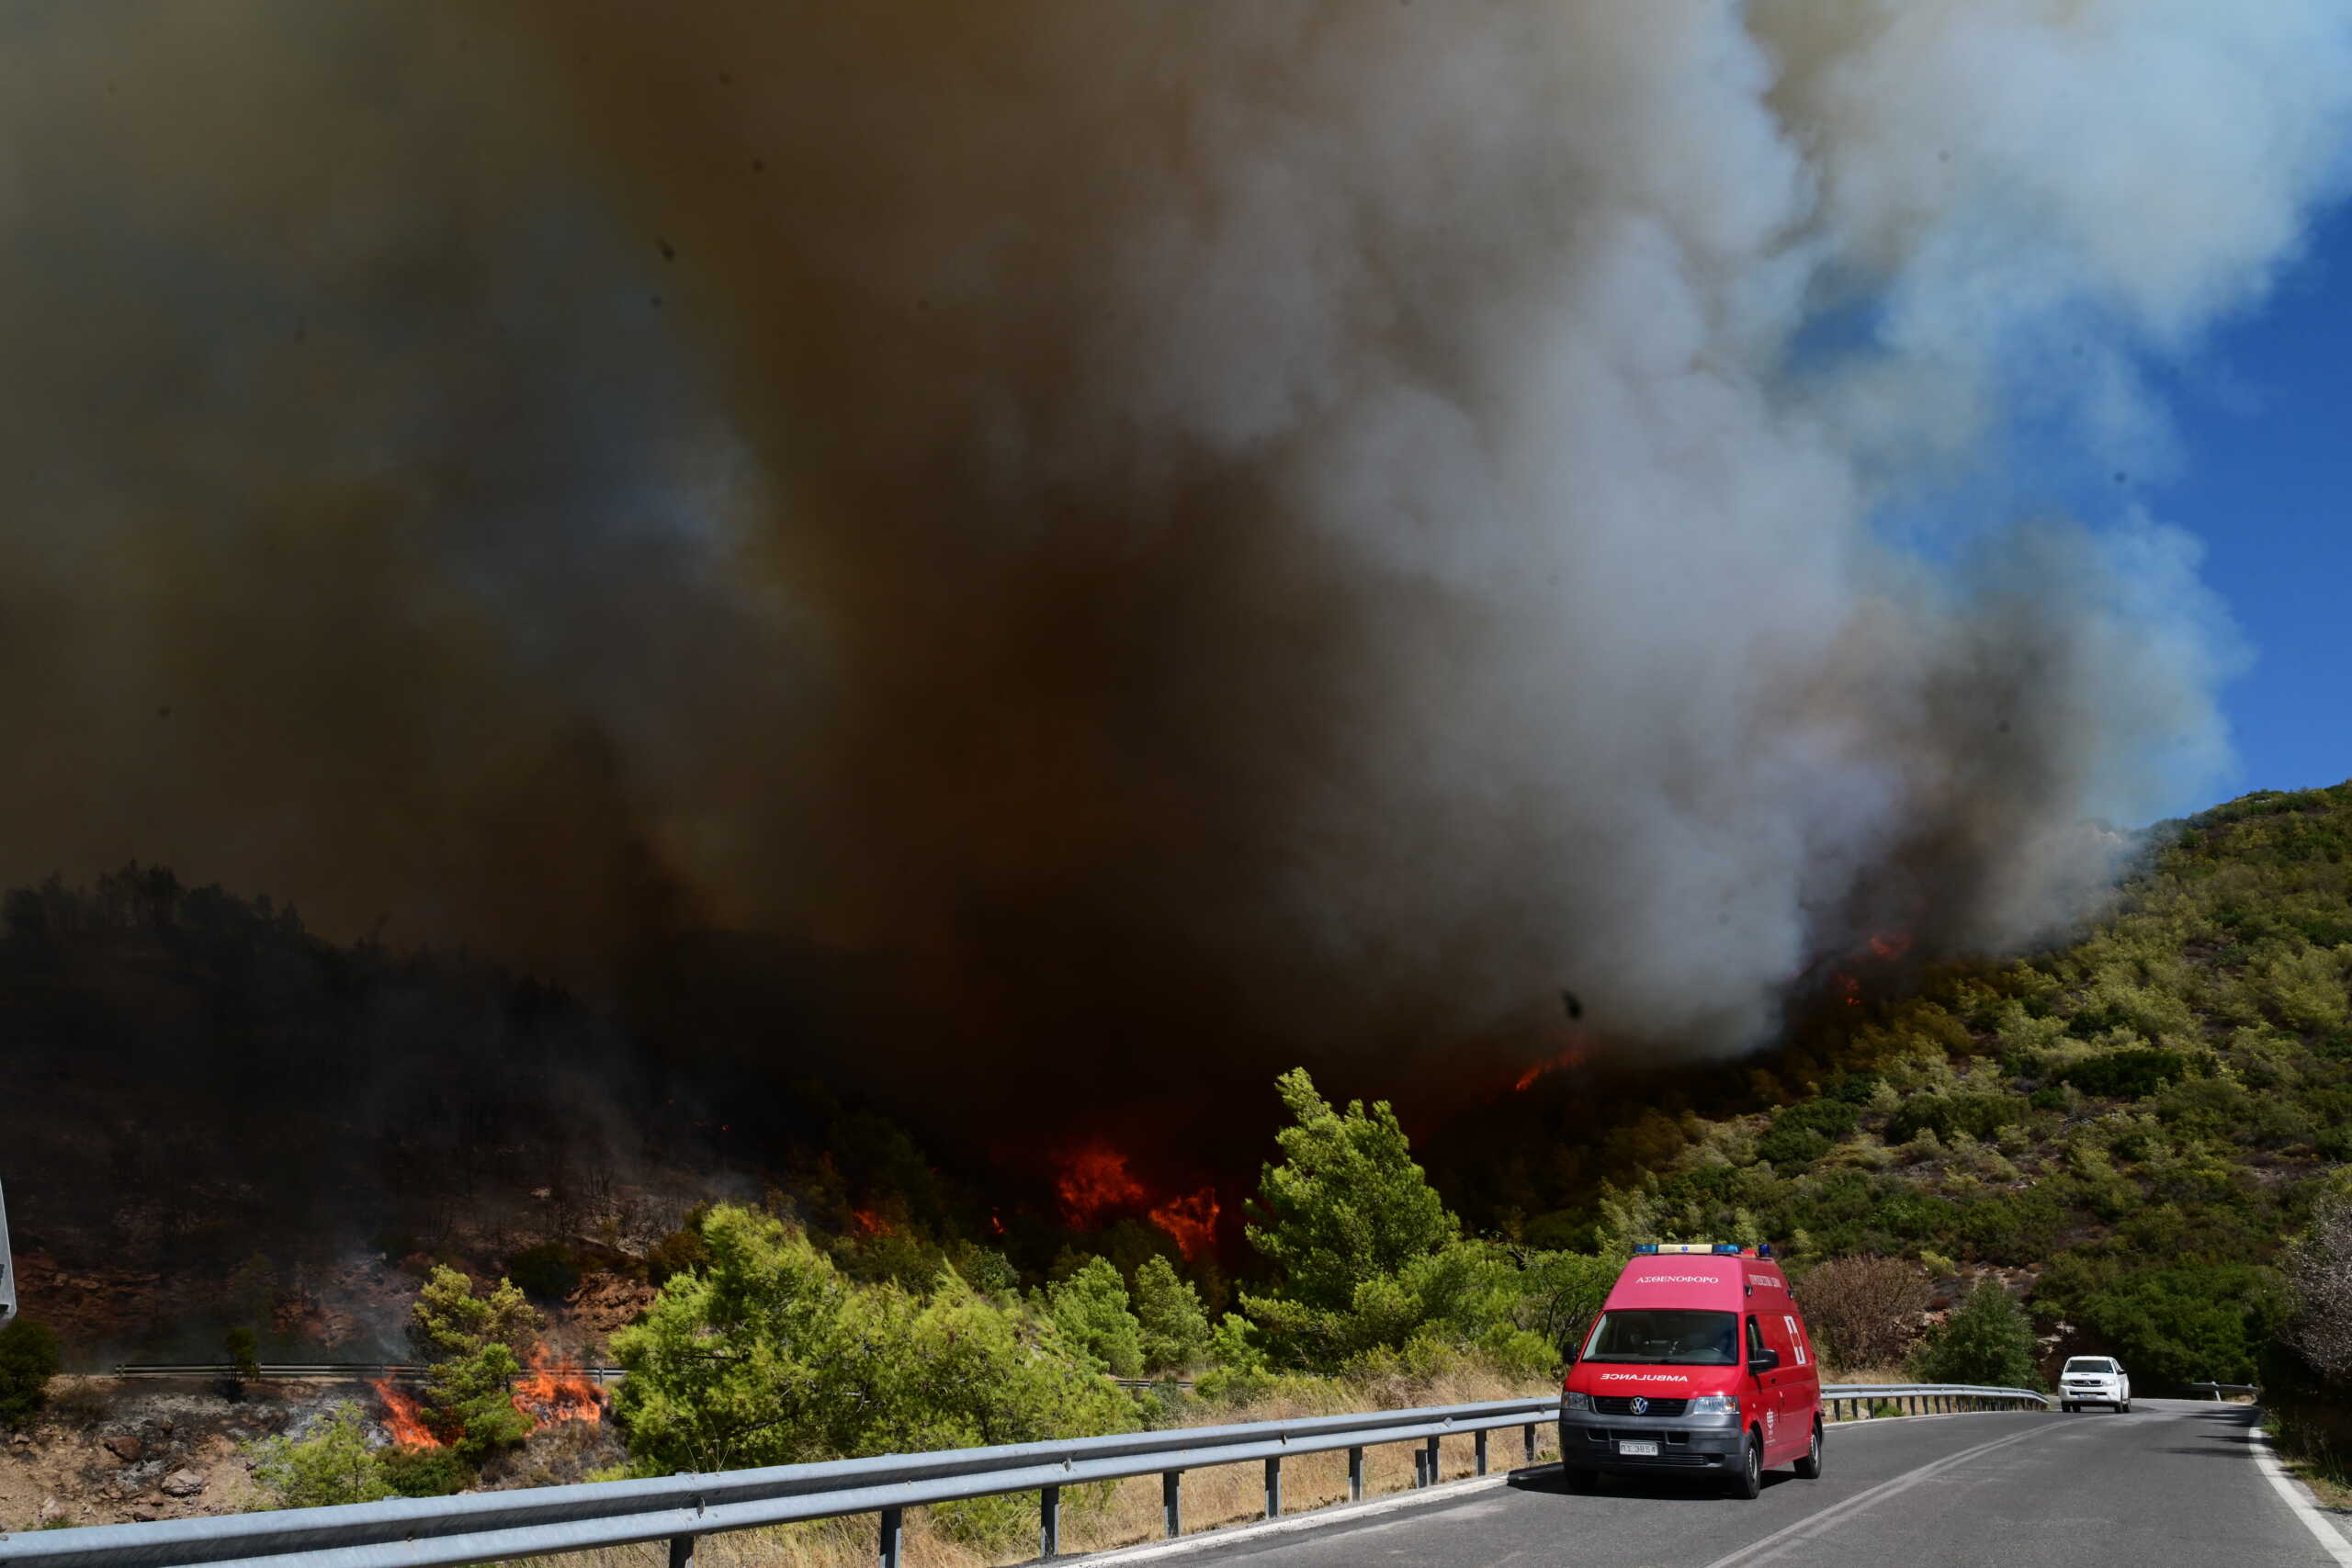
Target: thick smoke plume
1140	533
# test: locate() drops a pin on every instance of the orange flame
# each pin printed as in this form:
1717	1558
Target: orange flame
1094	1180
403	1417
554	1390
1526	1080
1891	946
1852	989
1192	1220
869	1223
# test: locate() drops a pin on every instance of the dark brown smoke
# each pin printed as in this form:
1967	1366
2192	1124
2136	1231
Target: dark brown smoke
1120	543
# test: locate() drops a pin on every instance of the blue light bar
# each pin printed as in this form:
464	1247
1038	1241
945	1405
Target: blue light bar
1727	1250
1642	1246
1763	1249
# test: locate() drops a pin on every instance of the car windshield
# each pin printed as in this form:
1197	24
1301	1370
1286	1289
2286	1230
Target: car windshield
2090	1364
1661	1336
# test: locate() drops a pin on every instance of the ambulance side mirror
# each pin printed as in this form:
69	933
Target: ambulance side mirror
1763	1360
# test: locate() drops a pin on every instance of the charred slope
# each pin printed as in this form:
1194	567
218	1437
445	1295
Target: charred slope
194	1077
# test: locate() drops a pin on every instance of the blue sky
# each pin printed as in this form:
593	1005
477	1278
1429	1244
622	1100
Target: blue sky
2264	414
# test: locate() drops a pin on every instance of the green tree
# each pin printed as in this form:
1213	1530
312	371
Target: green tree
450	1319
1347	1204
243	1351
29	1360
333	1465
1561	1293
470	1403
1090	1308
1175	1327
1987	1340
476	1344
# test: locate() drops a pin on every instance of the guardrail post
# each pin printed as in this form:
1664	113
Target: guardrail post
893	1536
1049	1522
1355	1473
681	1551
1433	1464
1171	1501
1479	1450
1530	1436
1273	1486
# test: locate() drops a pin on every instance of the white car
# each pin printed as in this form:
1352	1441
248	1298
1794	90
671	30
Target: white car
2095	1379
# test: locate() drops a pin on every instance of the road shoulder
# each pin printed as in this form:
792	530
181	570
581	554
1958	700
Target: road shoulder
2328	1525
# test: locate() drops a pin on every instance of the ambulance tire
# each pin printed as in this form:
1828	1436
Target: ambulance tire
1750	1482
1582	1480
2069	1409
1809	1467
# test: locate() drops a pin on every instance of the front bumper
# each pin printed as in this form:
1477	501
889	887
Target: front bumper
1590	1440
2100	1394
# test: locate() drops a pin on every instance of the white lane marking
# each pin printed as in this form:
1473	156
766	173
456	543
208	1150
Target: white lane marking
1315	1518
2331	1539
1770	1547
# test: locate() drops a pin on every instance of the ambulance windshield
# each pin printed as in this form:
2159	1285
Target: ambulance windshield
1665	1337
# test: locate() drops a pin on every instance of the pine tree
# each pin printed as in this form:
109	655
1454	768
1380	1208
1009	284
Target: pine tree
1175	1328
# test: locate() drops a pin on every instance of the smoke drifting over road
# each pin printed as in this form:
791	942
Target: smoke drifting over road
1228	530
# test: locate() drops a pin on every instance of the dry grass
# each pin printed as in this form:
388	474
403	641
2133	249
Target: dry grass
1227	1495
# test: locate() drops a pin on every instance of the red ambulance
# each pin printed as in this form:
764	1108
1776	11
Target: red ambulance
1699	1365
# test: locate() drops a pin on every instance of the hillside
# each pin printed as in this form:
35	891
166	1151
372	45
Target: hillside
2126	1126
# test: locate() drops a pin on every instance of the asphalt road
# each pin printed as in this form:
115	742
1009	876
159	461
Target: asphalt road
2174	1482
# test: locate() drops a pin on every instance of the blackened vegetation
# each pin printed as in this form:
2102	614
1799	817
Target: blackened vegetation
194	1078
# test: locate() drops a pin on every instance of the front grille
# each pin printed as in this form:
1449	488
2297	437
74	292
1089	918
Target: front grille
1623	1404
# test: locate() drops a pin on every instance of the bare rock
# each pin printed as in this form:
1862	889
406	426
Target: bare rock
165	1425
124	1446
51	1511
183	1484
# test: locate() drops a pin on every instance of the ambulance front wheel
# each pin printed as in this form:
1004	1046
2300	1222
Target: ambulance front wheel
1749	1480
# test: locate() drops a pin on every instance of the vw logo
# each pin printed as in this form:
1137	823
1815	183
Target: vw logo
1641	1406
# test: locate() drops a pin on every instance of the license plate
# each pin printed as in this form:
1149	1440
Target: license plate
1638	1450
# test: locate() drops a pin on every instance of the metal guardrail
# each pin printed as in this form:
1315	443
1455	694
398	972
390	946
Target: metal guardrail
1926	1398
2254	1388
483	1526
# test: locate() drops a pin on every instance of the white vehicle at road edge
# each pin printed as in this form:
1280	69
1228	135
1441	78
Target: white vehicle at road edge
2095	1379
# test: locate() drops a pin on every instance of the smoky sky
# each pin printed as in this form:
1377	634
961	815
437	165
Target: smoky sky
1153	532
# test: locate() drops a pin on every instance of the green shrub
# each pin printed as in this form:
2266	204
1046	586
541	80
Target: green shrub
2133	1074
545	1271
424	1472
1790	1147
1978	1115
769	1355
333	1465
1987	1340
29	1358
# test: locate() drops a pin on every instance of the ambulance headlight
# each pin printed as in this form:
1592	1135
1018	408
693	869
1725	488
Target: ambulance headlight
1716	1404
1571	1400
